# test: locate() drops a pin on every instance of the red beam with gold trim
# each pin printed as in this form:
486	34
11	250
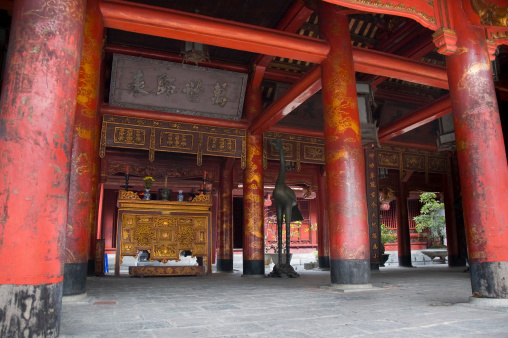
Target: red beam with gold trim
292	98
373	62
107	109
197	28
415	119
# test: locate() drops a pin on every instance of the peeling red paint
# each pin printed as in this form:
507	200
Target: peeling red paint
37	114
480	147
345	169
83	179
253	198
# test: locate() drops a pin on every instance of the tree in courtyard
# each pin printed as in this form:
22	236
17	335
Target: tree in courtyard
431	217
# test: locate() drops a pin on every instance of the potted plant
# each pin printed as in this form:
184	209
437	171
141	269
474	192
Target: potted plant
387	236
148	184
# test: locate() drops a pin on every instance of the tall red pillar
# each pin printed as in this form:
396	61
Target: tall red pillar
482	159
37	111
84	176
253	194
452	234
322	230
225	229
403	235
345	162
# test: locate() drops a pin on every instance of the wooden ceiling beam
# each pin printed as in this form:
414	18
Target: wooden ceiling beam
185	26
292	98
423	48
291	22
182	118
379	63
415	119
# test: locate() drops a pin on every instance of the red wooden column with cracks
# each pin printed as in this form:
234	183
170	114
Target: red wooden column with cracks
403	235
37	111
482	159
84	176
322	230
253	193
452	233
225	229
345	162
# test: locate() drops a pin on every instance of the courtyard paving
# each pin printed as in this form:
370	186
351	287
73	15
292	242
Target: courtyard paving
426	301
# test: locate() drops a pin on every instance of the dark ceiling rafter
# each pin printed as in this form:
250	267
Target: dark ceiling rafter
291	22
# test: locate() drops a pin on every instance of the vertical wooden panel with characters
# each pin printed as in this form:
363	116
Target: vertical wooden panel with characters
371	170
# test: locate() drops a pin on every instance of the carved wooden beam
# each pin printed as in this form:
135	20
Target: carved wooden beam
291	22
292	98
435	110
179	25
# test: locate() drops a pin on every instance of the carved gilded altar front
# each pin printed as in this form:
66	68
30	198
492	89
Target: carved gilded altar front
164	229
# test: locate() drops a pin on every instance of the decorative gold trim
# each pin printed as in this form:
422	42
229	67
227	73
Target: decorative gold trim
446	41
265	159
298	163
399	7
127	195
151	151
200	150
490	14
102	149
202	198
244	153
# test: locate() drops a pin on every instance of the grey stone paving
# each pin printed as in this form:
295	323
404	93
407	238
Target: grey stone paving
426	301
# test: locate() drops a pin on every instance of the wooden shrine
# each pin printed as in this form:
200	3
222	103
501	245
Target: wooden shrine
164	229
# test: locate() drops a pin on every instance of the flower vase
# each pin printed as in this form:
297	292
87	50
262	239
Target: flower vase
146	196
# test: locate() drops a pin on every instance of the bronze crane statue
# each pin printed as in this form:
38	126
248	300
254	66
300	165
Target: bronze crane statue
285	204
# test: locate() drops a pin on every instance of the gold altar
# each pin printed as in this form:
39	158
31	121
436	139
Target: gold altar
164	229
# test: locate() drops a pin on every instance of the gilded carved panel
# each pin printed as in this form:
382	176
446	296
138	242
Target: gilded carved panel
414	162
155	135
388	159
437	164
176	141
165	236
130	136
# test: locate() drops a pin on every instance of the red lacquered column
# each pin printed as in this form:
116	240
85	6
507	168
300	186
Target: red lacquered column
482	159
452	234
81	215
403	235
225	229
253	190
345	162
37	111
322	230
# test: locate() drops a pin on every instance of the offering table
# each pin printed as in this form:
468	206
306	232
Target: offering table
164	229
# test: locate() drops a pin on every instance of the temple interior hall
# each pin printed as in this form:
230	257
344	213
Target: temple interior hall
171	139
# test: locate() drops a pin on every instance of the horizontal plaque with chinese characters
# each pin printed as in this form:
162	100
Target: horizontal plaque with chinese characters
148	84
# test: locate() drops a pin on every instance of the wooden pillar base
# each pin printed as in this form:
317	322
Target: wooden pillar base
324	262
253	268
74	282
23	313
456	260
489	279
224	265
405	261
351	271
